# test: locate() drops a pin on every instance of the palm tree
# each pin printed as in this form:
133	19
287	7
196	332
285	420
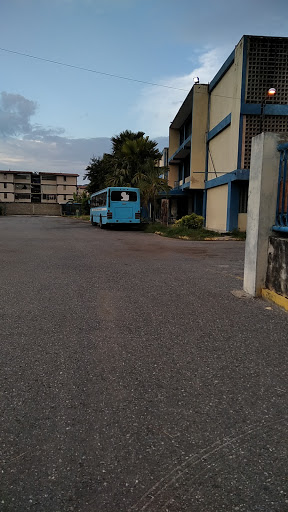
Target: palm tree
152	185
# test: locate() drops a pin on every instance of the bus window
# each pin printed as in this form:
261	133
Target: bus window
127	195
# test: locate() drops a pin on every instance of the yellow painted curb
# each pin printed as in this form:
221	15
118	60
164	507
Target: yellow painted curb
274	297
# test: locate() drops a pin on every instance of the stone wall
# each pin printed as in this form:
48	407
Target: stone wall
31	209
277	270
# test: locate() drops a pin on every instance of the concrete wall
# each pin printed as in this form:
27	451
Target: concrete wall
66	189
173	175
9	198
48	189
32	209
222	153
216	212
225	98
199	130
173	141
221	98
277	268
242	221
262	199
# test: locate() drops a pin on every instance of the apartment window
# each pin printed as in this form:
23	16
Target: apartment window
65	178
21	186
64	187
48	177
5	176
22	196
64	197
49	197
5	185
22	176
5	195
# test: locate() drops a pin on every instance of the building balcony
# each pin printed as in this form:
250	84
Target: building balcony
181	184
182	152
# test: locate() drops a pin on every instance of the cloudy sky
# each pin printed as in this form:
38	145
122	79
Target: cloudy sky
55	117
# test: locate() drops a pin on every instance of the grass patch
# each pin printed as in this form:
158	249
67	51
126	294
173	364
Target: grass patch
185	233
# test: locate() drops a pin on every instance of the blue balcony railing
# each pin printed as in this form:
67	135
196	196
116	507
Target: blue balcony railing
281	222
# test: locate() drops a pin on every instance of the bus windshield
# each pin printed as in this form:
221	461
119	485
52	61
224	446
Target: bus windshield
127	195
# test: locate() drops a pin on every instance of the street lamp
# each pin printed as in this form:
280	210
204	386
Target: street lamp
196	80
270	94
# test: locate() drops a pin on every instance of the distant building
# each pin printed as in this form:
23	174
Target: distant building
81	189
210	136
32	187
163	162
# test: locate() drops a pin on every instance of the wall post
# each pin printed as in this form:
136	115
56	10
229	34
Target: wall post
262	201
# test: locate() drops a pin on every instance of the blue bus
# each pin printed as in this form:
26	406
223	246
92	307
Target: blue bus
115	205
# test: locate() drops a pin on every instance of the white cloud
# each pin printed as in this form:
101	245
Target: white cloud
157	106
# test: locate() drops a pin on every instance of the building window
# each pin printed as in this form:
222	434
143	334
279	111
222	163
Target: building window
65	178
22	176
5	195
22	196
64	187
48	177
64	197
5	176
49	197
5	185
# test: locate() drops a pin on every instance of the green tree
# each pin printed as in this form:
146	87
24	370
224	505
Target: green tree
96	173
151	185
132	154
119	140
83	199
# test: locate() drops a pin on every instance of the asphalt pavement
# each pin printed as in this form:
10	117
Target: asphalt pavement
132	378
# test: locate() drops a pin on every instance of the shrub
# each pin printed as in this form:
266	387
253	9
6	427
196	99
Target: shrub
192	221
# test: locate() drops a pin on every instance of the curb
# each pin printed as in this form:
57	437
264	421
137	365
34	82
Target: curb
275	297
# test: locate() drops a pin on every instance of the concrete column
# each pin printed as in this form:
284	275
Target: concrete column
262	201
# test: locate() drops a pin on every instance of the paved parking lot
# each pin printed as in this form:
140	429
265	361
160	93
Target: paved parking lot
132	378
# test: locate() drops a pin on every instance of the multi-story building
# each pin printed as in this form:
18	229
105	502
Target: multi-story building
81	189
42	187
210	137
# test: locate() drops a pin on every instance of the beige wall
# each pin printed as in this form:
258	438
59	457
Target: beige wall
198	142
216	212
62	200
48	189
9	187
33	209
9	198
173	141
8	177
173	175
226	99
66	189
242	221
221	151
70	180
221	98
